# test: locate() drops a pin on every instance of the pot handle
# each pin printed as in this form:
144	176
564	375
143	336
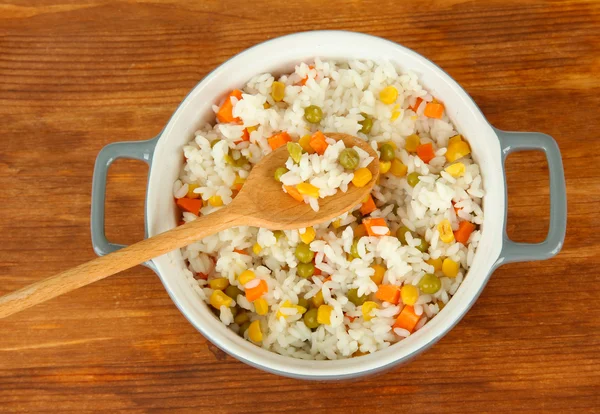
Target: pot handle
519	252
137	150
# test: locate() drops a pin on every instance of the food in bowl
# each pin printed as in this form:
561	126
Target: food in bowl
362	281
318	166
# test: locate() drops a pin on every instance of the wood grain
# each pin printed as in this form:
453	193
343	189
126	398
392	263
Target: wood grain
75	76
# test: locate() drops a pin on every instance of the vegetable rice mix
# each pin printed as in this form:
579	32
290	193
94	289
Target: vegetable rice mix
368	278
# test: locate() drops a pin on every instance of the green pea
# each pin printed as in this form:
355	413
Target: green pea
278	234
234	311
366	124
354	249
313	114
295	151
279	172
424	246
306	270
215	142
310	318
349	158
430	283
304	254
401	234
244	327
233	291
388	153
358	215
354	298
413	179
302	302
241	317
240	162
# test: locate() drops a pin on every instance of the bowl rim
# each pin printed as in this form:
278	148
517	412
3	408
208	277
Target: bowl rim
327	369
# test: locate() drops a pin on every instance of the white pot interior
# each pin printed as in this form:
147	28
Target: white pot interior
277	56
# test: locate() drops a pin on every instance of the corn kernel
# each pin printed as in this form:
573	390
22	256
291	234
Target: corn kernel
398	169
445	229
362	176
384	166
367	308
278	91
191	188
450	268
266	105
251	129
456	150
456	170
409	294
308	236
455	138
324	314
261	306
219	283
308	190
246	276
436	263
218	299
412	142
288	304
254	332
336	223
395	115
388	95
379	274
215	201
257	248
318	300
305	144
440	304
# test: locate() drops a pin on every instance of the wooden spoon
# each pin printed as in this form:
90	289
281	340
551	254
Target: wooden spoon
260	203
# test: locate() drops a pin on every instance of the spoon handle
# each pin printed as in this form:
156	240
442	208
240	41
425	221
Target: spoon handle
123	259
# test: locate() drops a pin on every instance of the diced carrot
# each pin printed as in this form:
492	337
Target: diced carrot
202	276
360	231
291	190
245	135
225	113
279	140
191	205
407	319
375	222
416	105
434	110
181	223
351	318
388	293
318	143
257	291
317	272
465	228
368	206
456	209
241	252
305	79
327	279
425	152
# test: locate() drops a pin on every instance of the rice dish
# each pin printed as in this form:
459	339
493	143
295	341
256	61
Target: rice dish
367	279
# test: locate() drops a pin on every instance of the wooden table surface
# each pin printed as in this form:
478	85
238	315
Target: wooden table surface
75	76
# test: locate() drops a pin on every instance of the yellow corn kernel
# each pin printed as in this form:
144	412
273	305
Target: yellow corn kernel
238	183
218	299
308	236
456	170
191	188
362	176
246	276
445	229
450	268
288	304
229	159
278	91
308	190
215	201
219	283
367	307
305	144
379	274
395	115
440	304
254	332
257	248
409	294
412	142
324	314
397	168
436	263
317	300
384	166
261	306
266	105
456	150
336	223
251	129
388	95
455	138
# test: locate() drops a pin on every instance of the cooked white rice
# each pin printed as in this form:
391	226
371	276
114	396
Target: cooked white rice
343	90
